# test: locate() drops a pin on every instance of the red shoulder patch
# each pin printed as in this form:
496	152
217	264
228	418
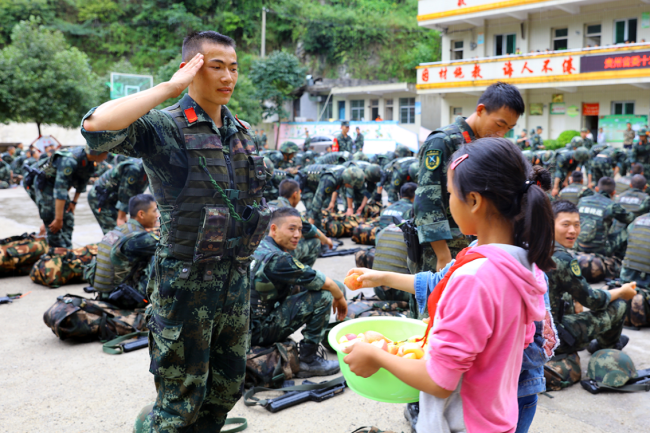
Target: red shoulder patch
240	122
191	115
466	137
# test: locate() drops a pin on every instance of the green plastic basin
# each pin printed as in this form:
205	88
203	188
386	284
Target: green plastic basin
381	386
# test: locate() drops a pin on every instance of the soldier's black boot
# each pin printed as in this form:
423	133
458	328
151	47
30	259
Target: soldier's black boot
313	363
411	413
595	346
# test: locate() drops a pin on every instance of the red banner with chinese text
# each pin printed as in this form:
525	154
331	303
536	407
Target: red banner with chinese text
590	109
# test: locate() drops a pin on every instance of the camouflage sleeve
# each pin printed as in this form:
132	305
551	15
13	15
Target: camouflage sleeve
144	137
128	188
63	180
286	270
633	154
309	231
391	188
325	188
559	161
428	208
620	214
569	277
349	193
140	245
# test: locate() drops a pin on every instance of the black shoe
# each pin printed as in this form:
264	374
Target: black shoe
594	346
313	362
411	413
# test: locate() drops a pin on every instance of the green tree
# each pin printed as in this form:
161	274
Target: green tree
43	79
276	77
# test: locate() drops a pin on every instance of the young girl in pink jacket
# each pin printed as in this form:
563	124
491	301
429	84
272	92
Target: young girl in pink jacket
483	310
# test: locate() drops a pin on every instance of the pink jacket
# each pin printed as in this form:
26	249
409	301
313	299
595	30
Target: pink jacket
483	323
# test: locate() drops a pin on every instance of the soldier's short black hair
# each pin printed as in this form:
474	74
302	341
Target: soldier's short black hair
283	212
140	202
288	187
606	184
564	206
500	95
193	42
636	168
638	181
577	176
408	190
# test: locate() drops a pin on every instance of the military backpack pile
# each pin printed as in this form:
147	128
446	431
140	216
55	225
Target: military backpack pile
19	253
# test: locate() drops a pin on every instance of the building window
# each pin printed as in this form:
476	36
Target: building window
357	110
388	109
625	31
326	111
341	110
374	109
592	35
623	107
407	110
505	44
560	39
456	50
456	111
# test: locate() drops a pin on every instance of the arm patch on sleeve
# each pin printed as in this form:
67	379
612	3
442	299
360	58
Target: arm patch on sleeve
432	159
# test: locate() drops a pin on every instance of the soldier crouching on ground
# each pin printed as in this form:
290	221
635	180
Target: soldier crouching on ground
208	180
287	294
599	328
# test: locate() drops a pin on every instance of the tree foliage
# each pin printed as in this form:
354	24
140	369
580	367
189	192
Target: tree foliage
43	79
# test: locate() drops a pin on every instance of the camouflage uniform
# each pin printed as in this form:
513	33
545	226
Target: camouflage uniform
574	192
273	183
399	175
536	142
431	206
597	213
264	140
17	165
635	201
307	144
5	175
345	143
113	190
366	234
132	256
334	158
358	142
330	180
603	321
286	294
565	163
628	138
603	163
641	154
7	157
309	245
65	170
588	143
102	168
623	184
636	267
200	319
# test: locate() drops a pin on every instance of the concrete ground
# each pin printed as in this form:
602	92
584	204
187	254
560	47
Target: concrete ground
48	385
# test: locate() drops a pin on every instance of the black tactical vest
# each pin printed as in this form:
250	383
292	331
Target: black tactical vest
220	211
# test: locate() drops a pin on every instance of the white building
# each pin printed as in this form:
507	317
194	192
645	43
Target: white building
577	63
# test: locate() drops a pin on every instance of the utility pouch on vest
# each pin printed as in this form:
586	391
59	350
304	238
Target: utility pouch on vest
213	233
413	247
256	175
40	180
256	221
28	180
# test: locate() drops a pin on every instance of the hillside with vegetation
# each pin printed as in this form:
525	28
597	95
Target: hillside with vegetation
364	39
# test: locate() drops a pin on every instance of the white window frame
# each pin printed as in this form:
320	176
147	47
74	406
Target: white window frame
554	37
359	109
455	50
410	110
623	103
504	44
626	33
590	35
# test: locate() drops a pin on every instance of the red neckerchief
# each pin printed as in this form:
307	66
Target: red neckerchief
432	304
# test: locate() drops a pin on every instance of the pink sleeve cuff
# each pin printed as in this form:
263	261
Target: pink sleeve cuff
442	376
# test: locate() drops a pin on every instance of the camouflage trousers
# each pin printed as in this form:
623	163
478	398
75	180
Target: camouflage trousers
365	234
4	184
429	261
198	341
307	197
106	214
46	209
307	251
309	307
605	326
638	308
596	267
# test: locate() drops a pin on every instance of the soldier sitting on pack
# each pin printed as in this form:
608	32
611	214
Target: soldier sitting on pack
623	182
287	294
636	268
310	244
576	190
567	162
606	161
124	254
399	175
601	326
288	149
635	199
6	175
110	195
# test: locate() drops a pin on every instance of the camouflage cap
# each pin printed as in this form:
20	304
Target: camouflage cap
269	163
414	169
547	156
611	367
289	147
360	156
577	141
643	131
584	130
581	154
354	176
345	123
401	151
372	172
390	155
539	127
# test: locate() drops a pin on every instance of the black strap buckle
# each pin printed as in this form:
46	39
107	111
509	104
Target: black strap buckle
232	194
232	243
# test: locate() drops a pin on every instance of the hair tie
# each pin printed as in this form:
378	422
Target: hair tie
527	185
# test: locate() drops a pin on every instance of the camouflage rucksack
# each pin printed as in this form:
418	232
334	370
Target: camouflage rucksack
19	253
562	371
365	234
339	225
360	306
62	266
596	267
84	319
269	367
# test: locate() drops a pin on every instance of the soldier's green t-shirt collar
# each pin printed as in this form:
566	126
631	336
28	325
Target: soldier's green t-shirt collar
463	126
226	117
